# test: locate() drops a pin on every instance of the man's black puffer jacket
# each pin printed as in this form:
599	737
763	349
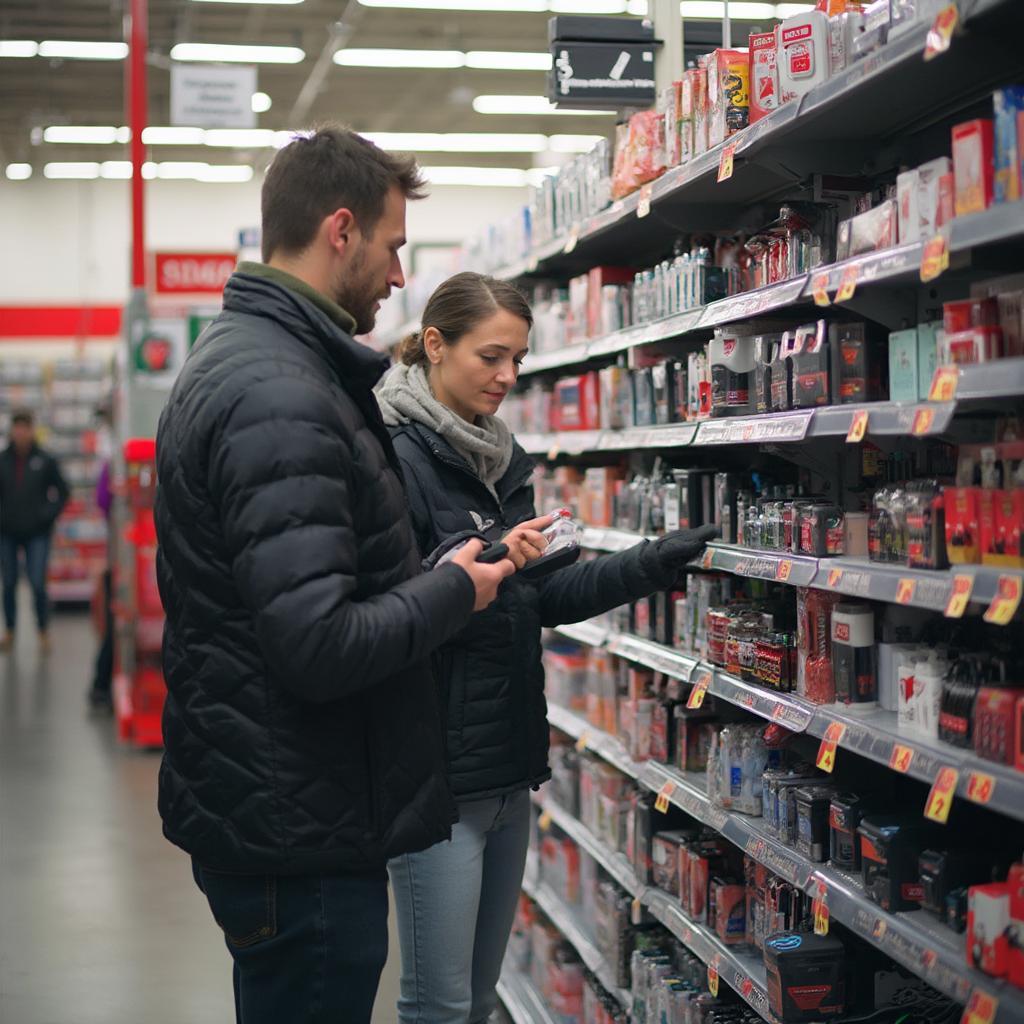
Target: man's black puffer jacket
301	726
491	675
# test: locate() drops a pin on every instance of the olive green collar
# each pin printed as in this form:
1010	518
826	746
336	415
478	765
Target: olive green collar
338	315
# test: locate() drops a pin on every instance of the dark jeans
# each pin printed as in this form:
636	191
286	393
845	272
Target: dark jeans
37	556
308	949
104	672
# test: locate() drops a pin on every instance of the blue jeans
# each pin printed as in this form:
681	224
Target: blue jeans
455	905
37	557
307	949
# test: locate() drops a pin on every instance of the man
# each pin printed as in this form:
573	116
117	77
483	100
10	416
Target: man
32	495
302	732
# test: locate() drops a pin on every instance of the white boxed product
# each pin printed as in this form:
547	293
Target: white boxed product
908	186
929	175
804	59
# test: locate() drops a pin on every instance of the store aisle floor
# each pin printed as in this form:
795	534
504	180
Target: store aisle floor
100	921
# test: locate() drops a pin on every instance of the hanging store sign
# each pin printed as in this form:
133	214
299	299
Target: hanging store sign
190	273
212	96
608	74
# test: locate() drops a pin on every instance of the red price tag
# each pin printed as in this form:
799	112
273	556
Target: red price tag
725	165
848	283
858	427
960	596
700	689
981	1009
709	558
713	981
923	420
835	577
643	206
940	799
934	257
899	760
821	917
819	289
783	569
980	787
940	35
905	590
1006	602
944	384
747	987
664	795
827	751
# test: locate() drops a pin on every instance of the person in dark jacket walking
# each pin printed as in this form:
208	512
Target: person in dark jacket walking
32	495
464	470
303	737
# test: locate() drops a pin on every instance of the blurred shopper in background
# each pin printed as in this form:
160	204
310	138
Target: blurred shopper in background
103	671
465	470
32	495
303	737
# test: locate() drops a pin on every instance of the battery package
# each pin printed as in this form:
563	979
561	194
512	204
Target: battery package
859	363
806	977
846	811
943	871
731	357
812	821
890	846
988	926
764	75
854	664
811	364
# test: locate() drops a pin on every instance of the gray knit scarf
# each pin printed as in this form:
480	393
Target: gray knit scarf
404	396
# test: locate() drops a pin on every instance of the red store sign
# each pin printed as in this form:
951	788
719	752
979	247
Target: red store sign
180	273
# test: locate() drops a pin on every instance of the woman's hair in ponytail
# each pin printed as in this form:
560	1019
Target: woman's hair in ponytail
460	304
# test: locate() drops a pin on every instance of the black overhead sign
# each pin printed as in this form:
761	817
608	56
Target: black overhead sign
601	62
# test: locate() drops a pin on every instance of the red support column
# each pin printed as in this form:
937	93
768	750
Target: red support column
138	112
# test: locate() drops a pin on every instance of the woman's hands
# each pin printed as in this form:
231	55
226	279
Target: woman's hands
526	542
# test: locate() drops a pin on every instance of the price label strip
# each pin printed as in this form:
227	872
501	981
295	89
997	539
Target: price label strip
661	802
819	289
940	35
708	561
848	283
940	799
901	758
699	691
980	787
1006	602
713	980
725	165
922	424
835	577
960	596
827	751
980	1009
944	384
643	206
858	427
905	591
783	569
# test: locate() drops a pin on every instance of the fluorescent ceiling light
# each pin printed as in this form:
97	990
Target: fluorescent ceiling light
226	174
458	142
251	1
74	50
536	175
116	169
19	172
261	102
587	6
172	136
18	48
787	10
81	169
528	105
498	60
239	138
573	143
241	54
714	10
356	58
495	177
85	134
514	6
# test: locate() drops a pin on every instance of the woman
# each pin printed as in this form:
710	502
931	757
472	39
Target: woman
464	471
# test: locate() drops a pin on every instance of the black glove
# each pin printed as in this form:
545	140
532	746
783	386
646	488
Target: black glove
669	555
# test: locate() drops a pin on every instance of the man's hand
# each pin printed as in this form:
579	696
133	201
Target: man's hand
486	578
526	542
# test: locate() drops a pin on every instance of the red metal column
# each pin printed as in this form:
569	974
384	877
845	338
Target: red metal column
138	97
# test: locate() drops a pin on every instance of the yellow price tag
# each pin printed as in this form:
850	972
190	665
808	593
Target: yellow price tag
827	751
835	577
783	569
573	240
905	590
544	821
664	796
980	787
940	798
858	427
944	384
713	981
643	206
980	1009
934	257
960	596
940	35
1006	602
848	283
583	742
637	911
821	917
899	760
819	289
923	420
725	165
700	689
709	558
554	451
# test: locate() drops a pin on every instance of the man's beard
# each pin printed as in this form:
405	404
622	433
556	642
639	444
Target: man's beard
355	294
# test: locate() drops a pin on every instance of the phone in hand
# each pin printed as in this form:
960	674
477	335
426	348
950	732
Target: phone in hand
563	548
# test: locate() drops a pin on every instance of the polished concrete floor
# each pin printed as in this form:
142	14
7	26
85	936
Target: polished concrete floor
100	921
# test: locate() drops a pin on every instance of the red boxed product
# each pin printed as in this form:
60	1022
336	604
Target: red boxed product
963	524
764	75
973	166
974	345
639	154
1015	963
597	278
665	858
728	94
995	724
1002	522
598	495
730	911
576	403
967	313
988	922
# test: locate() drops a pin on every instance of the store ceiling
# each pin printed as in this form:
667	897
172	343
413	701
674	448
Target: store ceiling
38	92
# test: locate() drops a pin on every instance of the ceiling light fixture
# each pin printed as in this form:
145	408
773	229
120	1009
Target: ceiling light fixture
86	135
573	143
18	48
497	60
529	105
357	58
156	135
19	172
215	52
787	10
239	138
493	177
261	102
512	6
81	170
289	2
75	50
116	169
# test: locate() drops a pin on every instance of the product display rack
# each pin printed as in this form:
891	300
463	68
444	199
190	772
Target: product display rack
524	1003
911	939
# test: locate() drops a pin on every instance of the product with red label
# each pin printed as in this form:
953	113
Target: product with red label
995	724
577	403
873	230
698	89
973	168
1015	957
814	645
599	278
890	846
811	360
665	860
963	314
908	212
1007	105
780	373
728	94
926	526
934	198
764	75
854	665
803	54
859	363
731	357
846	812
806	976
988	925
668	108
730	903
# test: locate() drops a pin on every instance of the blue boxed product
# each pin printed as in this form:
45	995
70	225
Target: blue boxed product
1007	104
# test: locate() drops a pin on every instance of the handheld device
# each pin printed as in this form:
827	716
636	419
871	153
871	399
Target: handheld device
495	553
563	548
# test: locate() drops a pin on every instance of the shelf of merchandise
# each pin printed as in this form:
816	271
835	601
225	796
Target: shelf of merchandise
591	738
519	996
914	940
873	734
567	921
880	95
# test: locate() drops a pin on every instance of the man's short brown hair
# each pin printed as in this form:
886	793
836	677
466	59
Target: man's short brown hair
330	169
